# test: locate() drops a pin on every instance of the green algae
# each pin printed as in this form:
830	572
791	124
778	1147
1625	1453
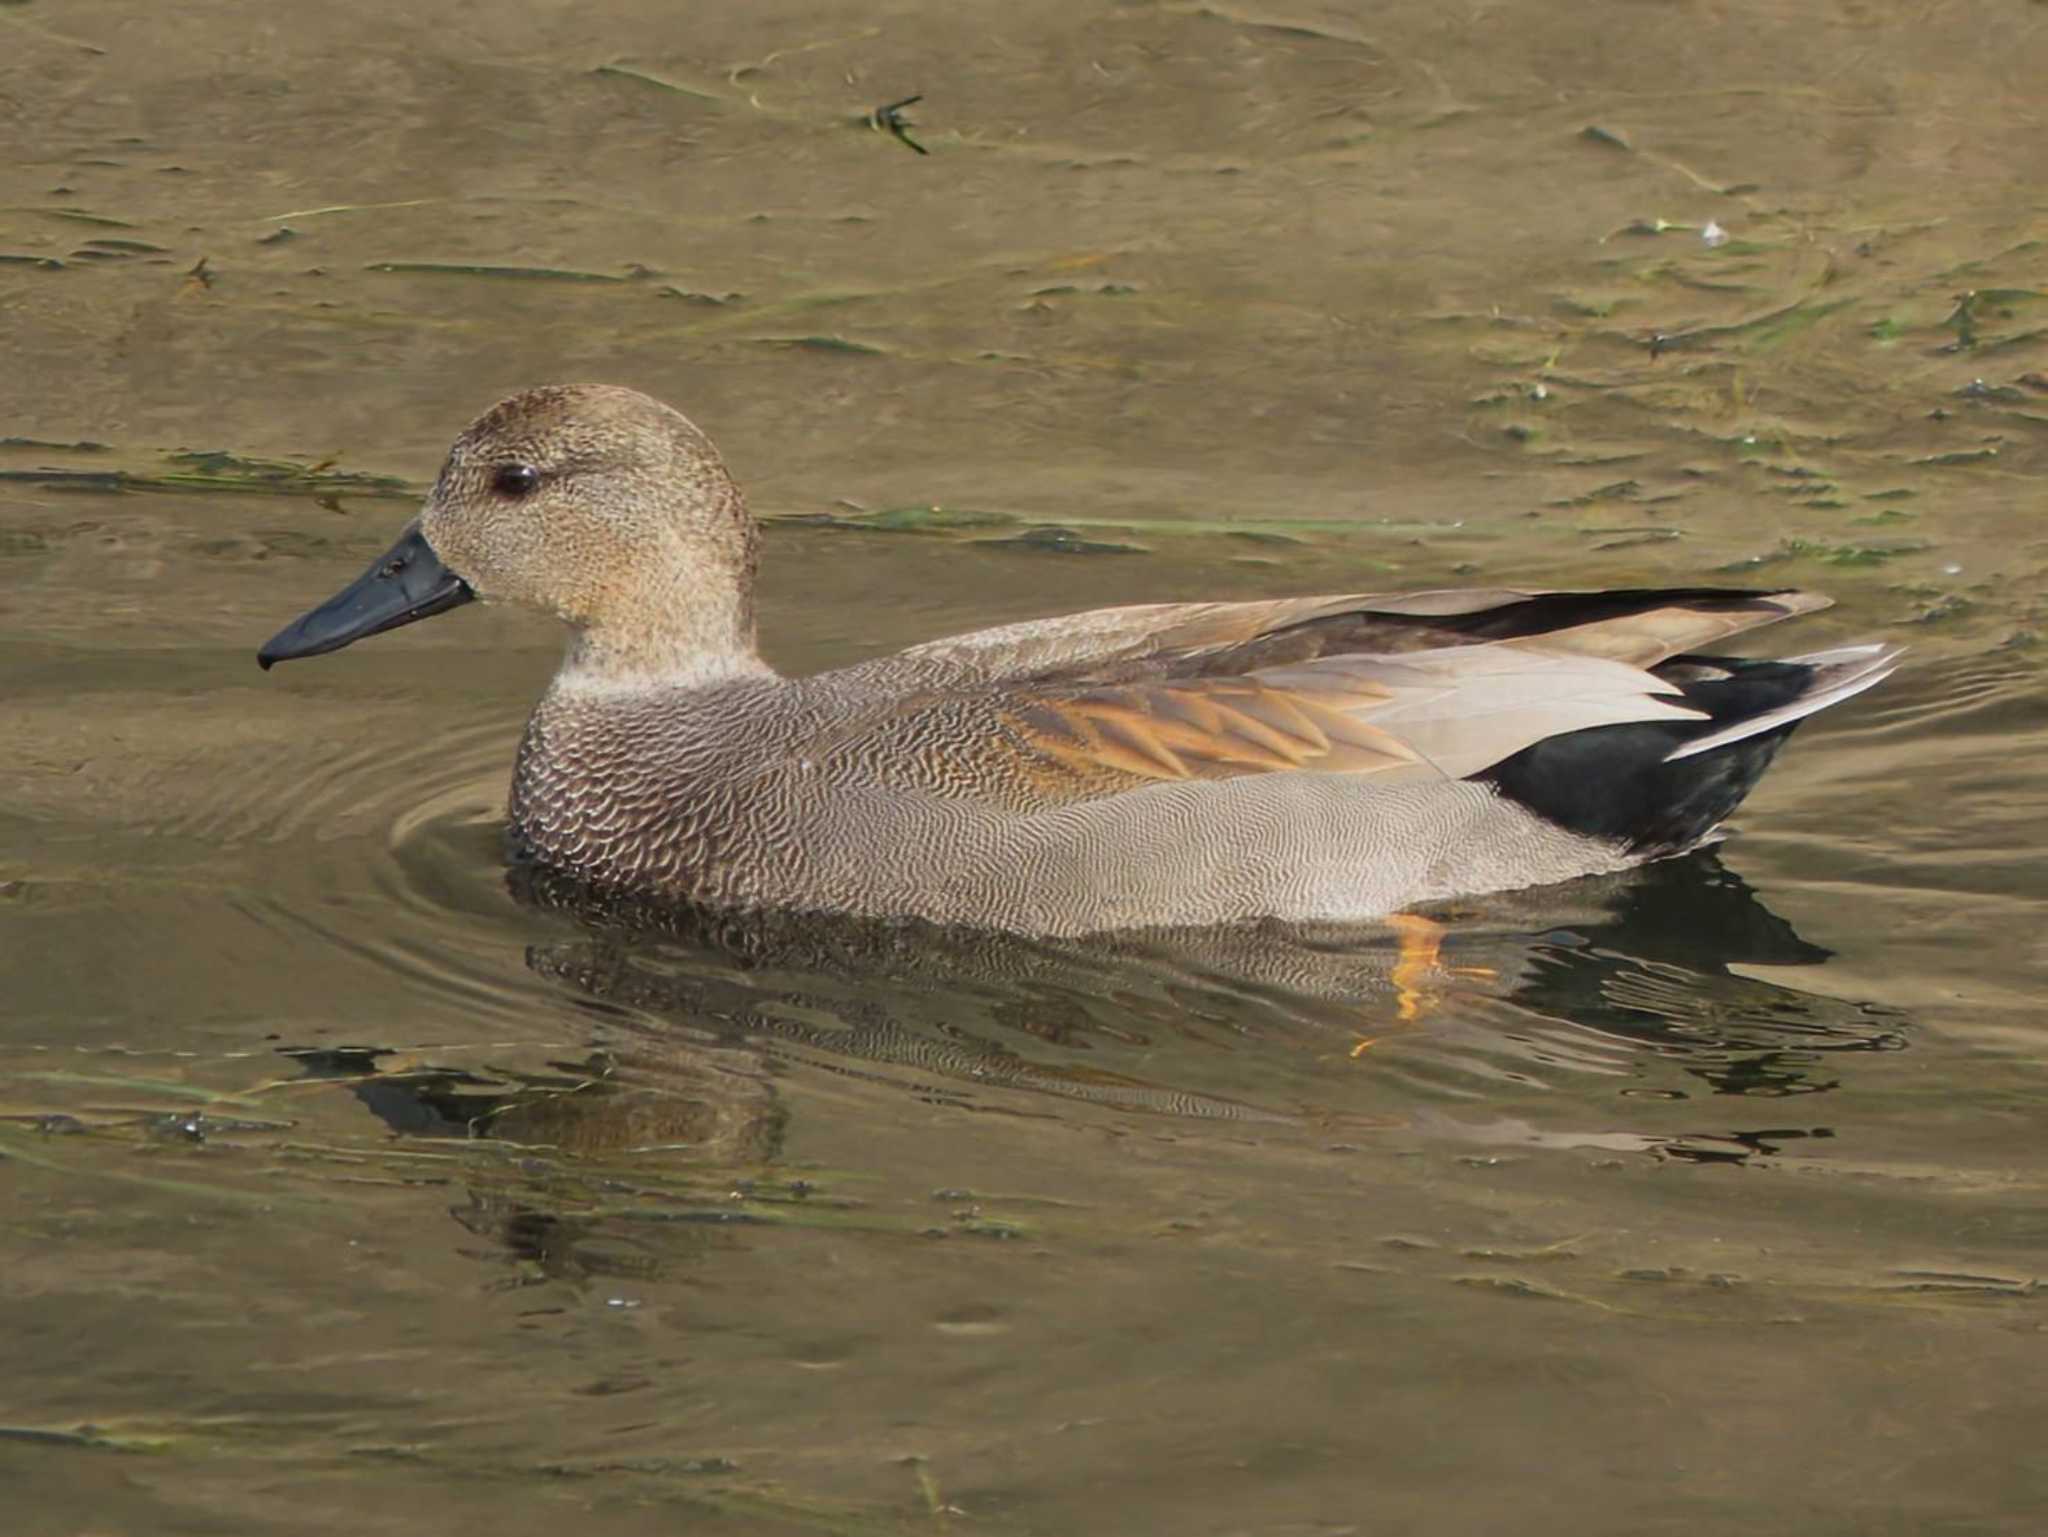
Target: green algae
215	471
490	270
1825	554
834	344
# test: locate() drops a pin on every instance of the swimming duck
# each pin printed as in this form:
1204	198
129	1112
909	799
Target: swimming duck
1175	764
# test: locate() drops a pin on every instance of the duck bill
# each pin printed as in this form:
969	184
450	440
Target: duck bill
405	583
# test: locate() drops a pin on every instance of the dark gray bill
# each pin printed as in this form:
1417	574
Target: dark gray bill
407	582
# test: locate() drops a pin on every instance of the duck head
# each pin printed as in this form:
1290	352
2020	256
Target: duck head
590	502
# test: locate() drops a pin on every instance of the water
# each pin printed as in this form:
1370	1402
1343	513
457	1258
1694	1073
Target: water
349	1189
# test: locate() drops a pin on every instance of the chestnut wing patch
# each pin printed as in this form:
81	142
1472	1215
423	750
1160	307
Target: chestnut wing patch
1205	729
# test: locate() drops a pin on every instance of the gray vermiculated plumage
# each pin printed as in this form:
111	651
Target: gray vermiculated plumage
1329	757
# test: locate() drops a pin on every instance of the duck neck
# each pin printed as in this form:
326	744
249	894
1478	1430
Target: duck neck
678	615
698	644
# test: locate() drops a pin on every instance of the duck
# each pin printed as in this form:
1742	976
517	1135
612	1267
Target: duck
1166	765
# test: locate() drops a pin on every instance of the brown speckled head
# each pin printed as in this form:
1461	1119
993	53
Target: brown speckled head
613	512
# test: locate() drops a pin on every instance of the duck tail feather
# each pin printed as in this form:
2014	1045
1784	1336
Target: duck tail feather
1840	673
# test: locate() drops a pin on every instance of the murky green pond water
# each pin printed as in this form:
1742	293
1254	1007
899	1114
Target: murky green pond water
349	1191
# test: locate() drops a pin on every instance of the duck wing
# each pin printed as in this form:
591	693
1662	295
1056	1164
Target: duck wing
1399	687
1638	625
1439	714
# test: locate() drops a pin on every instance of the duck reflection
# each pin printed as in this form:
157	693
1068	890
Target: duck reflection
1658	970
1641	977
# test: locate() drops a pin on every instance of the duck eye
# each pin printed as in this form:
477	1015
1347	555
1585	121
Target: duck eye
515	480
